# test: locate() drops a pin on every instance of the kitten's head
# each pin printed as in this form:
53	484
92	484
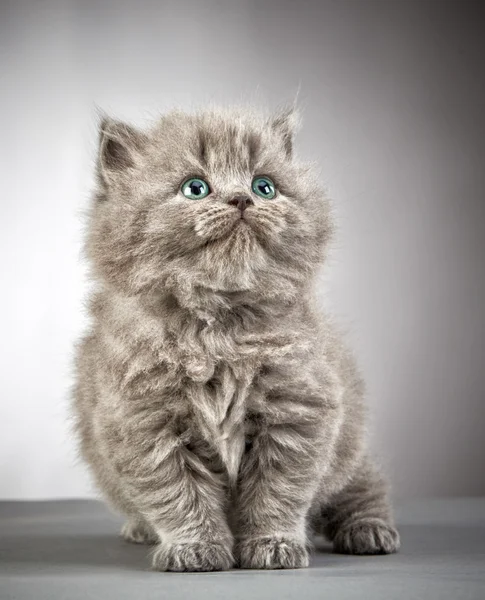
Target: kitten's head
206	204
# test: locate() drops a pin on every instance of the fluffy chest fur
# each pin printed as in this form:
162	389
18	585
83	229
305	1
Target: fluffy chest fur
220	407
203	374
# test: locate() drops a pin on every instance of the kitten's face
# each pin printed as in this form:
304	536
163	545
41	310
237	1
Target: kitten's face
212	201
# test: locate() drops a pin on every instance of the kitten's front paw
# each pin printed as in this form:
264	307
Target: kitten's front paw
370	536
193	556
272	553
138	532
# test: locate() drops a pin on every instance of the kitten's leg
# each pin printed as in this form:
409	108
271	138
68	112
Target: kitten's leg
278	479
178	496
137	531
359	518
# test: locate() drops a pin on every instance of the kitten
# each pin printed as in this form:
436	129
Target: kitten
218	410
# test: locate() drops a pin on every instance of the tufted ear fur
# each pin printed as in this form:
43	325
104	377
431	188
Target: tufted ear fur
120	146
285	123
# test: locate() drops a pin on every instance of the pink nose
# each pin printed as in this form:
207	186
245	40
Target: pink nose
242	202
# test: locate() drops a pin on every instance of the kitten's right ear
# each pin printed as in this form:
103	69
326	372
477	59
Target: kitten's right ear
285	123
120	146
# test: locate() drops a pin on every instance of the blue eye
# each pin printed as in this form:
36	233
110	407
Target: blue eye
264	187
195	189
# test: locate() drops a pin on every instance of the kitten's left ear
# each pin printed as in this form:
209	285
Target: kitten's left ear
120	147
286	123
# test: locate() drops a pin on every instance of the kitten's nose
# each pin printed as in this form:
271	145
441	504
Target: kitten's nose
242	202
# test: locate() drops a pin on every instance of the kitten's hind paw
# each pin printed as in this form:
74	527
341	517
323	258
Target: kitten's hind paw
138	532
369	536
272	553
193	556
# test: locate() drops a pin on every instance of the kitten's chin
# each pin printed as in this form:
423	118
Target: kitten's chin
231	262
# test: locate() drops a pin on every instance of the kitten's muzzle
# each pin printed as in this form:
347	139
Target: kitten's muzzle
242	202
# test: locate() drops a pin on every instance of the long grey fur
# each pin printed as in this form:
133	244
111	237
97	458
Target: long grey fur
218	409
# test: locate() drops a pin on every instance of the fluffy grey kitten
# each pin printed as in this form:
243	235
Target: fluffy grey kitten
218	410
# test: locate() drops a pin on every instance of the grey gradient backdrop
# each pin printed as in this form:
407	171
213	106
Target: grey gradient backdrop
394	111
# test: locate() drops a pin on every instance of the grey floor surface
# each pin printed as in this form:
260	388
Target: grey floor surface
70	550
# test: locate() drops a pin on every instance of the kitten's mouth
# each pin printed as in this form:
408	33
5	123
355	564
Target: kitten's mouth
237	222
231	231
243	225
